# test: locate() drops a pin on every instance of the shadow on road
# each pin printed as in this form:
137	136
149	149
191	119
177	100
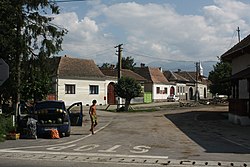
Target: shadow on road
213	131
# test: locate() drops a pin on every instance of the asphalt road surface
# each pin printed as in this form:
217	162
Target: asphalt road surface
195	136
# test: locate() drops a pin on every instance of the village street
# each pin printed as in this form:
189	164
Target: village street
194	136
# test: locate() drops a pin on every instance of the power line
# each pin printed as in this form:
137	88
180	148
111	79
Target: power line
107	50
62	1
152	57
234	33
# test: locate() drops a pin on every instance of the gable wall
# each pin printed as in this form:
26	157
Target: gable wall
201	88
82	91
162	96
238	64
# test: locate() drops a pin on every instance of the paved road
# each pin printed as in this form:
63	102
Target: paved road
174	137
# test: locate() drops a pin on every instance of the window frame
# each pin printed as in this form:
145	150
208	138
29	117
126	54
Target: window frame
158	90
93	89
70	89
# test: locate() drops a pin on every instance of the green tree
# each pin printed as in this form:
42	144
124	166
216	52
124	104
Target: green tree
220	78
28	38
127	63
128	89
107	66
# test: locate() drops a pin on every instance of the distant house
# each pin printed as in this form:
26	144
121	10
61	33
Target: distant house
197	84
126	73
180	83
239	105
77	79
187	83
157	87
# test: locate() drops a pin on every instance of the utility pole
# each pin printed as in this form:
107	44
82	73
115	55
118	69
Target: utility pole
119	53
238	30
197	65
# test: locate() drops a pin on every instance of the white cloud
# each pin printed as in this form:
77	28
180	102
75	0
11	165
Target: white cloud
155	30
84	38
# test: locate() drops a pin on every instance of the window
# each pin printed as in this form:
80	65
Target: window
166	90
70	89
93	89
158	90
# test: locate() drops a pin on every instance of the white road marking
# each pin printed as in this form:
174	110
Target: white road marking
140	149
86	154
110	150
59	148
236	143
66	143
87	147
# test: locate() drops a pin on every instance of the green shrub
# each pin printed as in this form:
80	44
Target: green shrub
6	125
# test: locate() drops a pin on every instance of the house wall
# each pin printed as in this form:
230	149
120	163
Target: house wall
201	88
238	64
82	92
162	94
239	107
243	93
181	90
148	87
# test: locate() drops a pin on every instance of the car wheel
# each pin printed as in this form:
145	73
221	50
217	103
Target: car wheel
67	134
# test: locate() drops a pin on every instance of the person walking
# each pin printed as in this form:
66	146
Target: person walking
93	116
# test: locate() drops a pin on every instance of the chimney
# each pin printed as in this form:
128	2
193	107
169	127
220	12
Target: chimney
160	69
142	65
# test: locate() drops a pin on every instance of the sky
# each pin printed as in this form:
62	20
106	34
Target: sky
152	30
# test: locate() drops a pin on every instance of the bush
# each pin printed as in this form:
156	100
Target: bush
6	125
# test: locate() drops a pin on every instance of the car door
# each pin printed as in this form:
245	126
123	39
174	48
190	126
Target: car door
24	112
76	114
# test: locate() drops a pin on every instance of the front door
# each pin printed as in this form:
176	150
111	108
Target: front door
111	94
191	94
172	91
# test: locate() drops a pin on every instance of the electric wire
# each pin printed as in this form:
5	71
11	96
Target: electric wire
153	57
63	1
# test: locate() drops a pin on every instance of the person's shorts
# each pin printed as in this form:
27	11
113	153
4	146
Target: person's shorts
94	118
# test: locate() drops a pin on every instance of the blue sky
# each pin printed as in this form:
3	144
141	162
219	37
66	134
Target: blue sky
152	30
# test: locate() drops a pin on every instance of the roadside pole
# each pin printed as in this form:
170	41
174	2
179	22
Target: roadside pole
119	53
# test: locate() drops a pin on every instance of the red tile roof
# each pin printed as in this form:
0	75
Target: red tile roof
125	73
69	67
152	74
174	76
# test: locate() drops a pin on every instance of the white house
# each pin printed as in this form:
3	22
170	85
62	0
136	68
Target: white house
157	87
188	83
113	73
79	80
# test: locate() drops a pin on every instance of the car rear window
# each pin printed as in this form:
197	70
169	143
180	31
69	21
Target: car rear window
50	105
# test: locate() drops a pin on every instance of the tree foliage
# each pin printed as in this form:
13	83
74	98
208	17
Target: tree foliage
28	38
220	78
128	89
127	63
107	66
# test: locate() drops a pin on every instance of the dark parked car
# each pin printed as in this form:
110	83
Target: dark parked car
54	115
